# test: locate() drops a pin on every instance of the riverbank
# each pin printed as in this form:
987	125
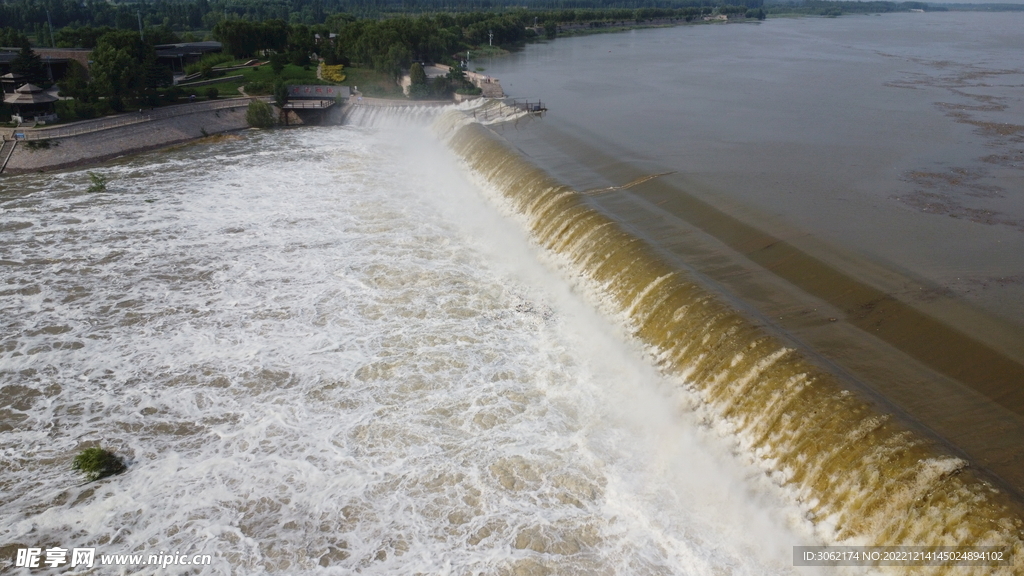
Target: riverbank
87	143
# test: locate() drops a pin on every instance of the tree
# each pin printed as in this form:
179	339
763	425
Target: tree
11	37
550	29
439	87
456	74
280	93
75	83
30	65
83	37
125	68
298	57
240	38
259	114
417	75
278	62
117	70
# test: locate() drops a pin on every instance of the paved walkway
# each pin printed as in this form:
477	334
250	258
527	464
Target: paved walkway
108	122
94	142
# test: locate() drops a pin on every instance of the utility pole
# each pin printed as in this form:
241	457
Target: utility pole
142	35
50	24
490	37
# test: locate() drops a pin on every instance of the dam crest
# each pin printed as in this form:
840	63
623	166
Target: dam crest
863	474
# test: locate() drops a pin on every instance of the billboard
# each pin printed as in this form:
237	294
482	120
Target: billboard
317	92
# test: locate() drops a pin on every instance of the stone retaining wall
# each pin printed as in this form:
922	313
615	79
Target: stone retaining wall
94	147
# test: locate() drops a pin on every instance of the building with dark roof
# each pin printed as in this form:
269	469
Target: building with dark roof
177	56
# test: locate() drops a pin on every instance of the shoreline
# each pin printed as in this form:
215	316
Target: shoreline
75	145
75	150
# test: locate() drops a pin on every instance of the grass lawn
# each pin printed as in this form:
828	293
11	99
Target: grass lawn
372	83
485	51
263	75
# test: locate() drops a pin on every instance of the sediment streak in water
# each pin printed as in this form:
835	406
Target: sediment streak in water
862	475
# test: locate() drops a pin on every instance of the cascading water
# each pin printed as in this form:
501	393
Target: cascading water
321	351
863	476
383	116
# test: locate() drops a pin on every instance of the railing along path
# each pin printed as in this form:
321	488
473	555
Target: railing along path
106	123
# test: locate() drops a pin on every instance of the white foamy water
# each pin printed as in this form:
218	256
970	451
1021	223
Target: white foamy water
322	351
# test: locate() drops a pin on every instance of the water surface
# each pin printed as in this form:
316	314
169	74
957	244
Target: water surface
855	183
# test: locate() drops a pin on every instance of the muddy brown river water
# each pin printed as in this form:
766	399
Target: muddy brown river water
856	184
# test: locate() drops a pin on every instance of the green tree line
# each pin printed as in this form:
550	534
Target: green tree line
32	16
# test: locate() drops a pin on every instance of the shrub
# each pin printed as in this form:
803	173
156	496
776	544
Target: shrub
77	110
173	93
278	62
280	93
97	463
259	114
419	91
258	88
207	63
212	93
416	74
98	182
332	73
439	87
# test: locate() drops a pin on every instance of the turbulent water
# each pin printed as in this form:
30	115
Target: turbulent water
321	350
861	475
378	348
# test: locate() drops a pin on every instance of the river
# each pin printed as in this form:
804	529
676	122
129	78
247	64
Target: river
857	183
322	349
381	349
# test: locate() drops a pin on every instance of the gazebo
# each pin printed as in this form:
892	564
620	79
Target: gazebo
30	101
11	81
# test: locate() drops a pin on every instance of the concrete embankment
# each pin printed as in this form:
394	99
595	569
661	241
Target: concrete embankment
64	146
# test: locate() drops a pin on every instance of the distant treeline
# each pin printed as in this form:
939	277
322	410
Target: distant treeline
981	7
837	7
125	72
392	44
33	17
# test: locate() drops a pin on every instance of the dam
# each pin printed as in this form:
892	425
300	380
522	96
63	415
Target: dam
453	341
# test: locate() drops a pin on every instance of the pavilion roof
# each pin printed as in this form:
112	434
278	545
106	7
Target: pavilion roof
29	94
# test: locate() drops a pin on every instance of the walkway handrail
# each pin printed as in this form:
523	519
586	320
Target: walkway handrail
503	109
99	124
292	104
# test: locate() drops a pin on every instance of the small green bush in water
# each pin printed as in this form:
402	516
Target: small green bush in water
98	463
99	182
